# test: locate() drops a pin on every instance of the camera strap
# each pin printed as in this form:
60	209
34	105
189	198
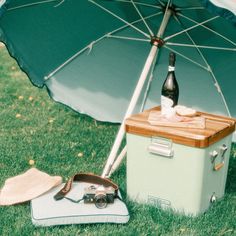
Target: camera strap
88	178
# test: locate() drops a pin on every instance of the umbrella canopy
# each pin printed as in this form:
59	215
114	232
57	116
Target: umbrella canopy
90	53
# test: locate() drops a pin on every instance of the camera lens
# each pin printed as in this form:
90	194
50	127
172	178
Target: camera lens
100	201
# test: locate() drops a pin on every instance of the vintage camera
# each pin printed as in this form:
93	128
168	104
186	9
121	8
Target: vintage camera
100	195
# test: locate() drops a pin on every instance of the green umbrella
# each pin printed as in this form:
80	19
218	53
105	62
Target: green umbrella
100	57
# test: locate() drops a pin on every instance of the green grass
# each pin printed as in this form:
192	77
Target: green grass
53	135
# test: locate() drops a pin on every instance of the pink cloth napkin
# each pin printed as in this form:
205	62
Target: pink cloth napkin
27	186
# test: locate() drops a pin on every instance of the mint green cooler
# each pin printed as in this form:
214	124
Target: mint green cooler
184	169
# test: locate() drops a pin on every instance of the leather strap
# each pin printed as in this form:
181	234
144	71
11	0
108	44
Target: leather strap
88	178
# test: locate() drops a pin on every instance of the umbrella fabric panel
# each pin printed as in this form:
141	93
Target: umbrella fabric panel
53	37
225	8
2	6
223	67
100	82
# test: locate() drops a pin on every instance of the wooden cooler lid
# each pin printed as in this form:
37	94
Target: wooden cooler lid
216	128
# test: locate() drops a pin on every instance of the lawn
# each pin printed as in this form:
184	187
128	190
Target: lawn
63	142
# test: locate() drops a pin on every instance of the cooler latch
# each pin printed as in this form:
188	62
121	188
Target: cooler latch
161	146
214	154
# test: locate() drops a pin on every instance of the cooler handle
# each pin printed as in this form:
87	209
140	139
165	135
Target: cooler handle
161	146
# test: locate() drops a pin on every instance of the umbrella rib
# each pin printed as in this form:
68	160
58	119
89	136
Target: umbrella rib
219	91
121	19
187	58
213	31
190	28
141	16
67	62
161	3
128	38
35	3
200	46
62	1
189	8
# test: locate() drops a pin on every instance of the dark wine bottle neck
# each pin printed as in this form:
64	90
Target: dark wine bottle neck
172	59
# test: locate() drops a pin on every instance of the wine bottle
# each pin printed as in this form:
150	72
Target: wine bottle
170	88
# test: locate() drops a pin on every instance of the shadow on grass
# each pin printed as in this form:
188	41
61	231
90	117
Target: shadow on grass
231	184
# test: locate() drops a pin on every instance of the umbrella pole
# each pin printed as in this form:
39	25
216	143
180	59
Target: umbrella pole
150	59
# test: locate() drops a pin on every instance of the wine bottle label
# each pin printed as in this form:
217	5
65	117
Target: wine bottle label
166	104
171	68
